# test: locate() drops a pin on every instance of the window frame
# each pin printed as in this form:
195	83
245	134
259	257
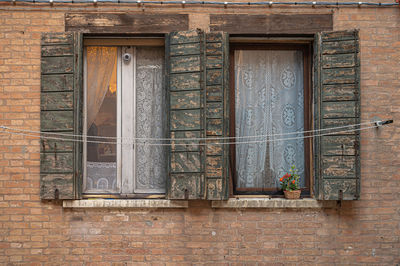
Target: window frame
306	46
120	42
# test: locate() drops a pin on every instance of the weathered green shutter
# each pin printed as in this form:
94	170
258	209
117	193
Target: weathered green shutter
185	78
197	74
60	161
217	114
337	103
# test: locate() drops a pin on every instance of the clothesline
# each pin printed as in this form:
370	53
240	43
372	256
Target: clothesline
131	139
186	144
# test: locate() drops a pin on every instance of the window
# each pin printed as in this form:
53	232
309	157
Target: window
199	105
270	97
124	99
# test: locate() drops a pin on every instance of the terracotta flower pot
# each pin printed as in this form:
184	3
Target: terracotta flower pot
294	194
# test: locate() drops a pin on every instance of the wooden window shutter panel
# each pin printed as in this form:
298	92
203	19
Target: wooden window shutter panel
61	105
186	98
337	103
217	114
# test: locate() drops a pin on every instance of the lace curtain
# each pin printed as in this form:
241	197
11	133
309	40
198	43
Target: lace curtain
268	100
151	161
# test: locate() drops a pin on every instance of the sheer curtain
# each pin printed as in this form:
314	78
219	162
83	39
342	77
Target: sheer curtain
151	161
268	100
101	165
101	67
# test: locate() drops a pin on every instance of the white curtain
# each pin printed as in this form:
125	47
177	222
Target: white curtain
151	161
268	100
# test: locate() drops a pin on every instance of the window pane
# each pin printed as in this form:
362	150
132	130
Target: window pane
269	90
151	161
101	102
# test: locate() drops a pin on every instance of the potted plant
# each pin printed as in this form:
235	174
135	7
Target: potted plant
290	184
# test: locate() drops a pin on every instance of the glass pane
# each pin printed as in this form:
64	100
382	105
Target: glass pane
151	161
101	102
269	97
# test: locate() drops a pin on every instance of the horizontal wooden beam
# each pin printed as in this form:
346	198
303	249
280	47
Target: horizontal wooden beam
271	23
124	42
126	23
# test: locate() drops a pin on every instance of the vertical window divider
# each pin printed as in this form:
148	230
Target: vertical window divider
119	122
127	119
134	119
85	129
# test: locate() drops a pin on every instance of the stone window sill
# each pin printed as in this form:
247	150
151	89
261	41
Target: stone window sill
273	203
233	203
126	203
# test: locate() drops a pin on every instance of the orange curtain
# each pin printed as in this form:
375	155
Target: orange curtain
101	77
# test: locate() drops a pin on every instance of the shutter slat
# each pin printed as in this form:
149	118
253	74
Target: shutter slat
338	145
187	145
58	64
60	87
338	75
339	109
337	103
185	81
57	101
335	189
214	77
57	162
215	93
185	99
58	50
57	38
186	186
185	49
57	82
338	60
338	167
215	127
181	64
185	162
339	47
56	120
51	145
185	120
339	92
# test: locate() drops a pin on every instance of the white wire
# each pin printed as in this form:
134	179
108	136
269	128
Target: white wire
190	144
187	139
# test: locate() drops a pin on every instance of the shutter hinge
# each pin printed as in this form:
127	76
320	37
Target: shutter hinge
186	194
356	147
340	194
44	145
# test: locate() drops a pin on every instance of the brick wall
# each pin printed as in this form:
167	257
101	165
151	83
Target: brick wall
360	232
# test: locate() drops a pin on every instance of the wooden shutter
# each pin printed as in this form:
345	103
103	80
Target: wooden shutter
337	103
60	161
185	79
217	114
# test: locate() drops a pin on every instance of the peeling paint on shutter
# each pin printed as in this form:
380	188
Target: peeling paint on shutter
337	103
186	90
217	115
60	161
